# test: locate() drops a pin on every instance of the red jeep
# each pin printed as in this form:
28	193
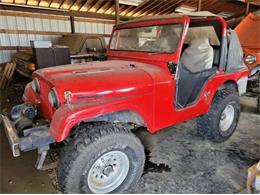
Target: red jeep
160	71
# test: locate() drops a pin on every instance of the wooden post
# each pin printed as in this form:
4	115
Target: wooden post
72	24
117	11
247	7
199	5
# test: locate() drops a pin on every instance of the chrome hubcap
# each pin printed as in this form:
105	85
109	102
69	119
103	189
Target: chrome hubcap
226	118
108	172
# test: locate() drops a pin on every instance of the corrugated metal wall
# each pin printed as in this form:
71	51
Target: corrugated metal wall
41	24
95	28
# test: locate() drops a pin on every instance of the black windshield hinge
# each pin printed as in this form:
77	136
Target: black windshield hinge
172	67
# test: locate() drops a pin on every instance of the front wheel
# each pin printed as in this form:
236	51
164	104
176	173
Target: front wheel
102	158
222	119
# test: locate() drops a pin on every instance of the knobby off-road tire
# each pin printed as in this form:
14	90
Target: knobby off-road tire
258	104
101	154
222	119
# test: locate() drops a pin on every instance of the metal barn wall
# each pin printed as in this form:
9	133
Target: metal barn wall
31	24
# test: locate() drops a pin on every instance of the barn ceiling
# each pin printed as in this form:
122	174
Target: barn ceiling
138	8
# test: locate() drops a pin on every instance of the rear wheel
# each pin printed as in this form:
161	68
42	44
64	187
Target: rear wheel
258	104
222	119
102	158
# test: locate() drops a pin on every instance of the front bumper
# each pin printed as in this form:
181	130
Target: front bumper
33	138
12	136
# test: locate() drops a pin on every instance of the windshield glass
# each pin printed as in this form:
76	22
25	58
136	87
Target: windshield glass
156	39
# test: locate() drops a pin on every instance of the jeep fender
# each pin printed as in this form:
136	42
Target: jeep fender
239	86
67	116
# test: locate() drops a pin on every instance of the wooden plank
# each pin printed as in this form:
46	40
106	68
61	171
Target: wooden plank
117	15
53	17
86	6
169	5
77	5
90	20
6	74
247	7
45	3
126	11
32	15
32	32
55	4
199	5
66	4
9	31
105	7
9	48
172	7
41	10
110	10
96	6
139	7
146	9
153	6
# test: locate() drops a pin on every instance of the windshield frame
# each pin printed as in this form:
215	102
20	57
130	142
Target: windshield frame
150	25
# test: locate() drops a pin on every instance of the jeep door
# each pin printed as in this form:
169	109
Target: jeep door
198	62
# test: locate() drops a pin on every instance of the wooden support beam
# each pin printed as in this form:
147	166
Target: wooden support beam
146	9
54	17
247	7
92	20
33	15
34	9
105	7
139	7
117	9
126	11
199	5
86	6
72	24
166	7
96	6
10	48
33	32
153	5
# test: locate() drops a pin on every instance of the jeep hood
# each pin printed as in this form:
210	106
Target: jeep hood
93	80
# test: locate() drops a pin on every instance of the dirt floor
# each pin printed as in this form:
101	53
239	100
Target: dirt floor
178	159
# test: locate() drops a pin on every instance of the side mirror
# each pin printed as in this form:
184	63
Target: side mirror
172	67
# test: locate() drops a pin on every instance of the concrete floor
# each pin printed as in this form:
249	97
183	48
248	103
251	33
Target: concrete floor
178	160
18	175
197	165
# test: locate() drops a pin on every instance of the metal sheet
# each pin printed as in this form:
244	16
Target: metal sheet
11	22
41	24
3	21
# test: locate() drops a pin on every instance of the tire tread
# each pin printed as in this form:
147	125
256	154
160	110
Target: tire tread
87	134
205	123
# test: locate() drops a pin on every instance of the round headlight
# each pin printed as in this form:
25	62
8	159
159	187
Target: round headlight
36	85
53	98
250	59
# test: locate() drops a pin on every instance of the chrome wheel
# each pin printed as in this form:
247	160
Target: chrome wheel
227	117
108	172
